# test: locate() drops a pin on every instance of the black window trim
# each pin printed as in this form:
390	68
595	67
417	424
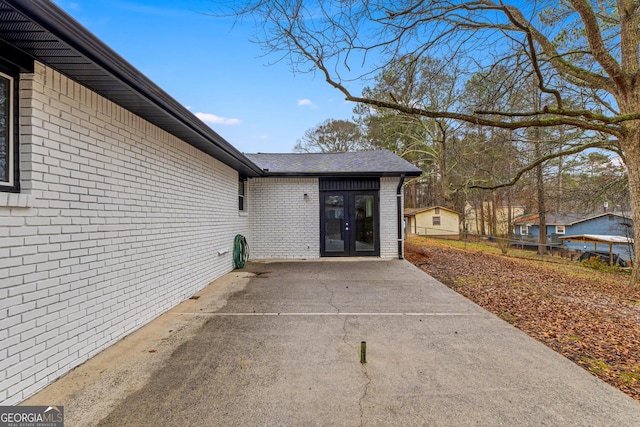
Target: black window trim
13	185
242	193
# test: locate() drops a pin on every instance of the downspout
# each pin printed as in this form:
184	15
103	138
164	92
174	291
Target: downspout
399	203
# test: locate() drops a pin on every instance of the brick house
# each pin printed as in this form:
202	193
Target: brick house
117	203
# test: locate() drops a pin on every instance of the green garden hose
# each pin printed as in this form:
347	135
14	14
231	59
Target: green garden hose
240	251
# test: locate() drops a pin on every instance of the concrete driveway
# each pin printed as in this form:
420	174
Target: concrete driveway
282	348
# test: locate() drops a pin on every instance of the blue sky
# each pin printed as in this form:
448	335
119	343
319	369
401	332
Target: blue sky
210	66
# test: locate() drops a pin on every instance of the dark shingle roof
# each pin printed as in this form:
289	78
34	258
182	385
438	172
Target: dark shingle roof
376	163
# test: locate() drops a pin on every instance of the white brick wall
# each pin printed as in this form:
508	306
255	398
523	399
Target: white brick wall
117	222
389	217
284	224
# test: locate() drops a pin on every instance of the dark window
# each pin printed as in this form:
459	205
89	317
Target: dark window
242	188
8	140
437	211
436	220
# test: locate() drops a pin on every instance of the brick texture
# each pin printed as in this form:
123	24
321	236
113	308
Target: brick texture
117	222
389	217
284	223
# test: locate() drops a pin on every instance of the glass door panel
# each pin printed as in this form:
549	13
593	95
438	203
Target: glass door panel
365	237
349	223
334	223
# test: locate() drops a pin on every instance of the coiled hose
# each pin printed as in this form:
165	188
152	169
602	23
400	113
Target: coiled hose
240	251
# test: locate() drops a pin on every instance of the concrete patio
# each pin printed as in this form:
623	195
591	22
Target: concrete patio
279	343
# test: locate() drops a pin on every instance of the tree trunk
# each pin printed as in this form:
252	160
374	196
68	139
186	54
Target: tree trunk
483	230
509	214
542	211
444	178
493	226
476	217
411	200
559	181
631	147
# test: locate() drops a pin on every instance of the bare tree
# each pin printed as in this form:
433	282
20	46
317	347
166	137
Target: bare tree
422	141
579	49
332	136
589	181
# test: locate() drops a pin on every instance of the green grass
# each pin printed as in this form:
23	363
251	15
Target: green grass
483	246
596	366
597	264
562	265
632	376
471	280
505	315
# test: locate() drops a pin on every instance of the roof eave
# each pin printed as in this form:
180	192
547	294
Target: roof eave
267	173
61	26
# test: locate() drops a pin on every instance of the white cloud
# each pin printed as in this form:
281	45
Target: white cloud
212	119
306	103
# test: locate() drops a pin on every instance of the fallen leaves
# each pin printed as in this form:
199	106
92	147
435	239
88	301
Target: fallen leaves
590	317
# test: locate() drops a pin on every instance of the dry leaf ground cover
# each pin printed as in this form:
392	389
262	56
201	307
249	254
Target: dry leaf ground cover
589	316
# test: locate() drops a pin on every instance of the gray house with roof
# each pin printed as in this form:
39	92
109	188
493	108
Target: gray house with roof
567	229
117	203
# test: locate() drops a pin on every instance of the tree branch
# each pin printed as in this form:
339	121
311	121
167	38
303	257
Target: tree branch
563	66
541	160
598	49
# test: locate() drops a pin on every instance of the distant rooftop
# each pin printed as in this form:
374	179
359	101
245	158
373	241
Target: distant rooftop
359	163
564	219
414	211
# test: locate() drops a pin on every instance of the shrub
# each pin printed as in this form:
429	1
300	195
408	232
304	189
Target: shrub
596	263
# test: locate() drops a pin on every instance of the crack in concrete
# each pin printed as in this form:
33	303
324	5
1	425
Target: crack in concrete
331	295
345	334
364	393
337	309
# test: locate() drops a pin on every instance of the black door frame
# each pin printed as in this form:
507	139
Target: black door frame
349	223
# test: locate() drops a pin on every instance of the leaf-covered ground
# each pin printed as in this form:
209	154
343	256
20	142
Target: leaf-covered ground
590	317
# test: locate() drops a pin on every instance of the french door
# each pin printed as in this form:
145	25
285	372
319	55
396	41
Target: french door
349	223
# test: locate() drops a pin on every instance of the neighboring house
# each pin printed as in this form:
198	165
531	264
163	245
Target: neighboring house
604	224
117	203
478	218
433	221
